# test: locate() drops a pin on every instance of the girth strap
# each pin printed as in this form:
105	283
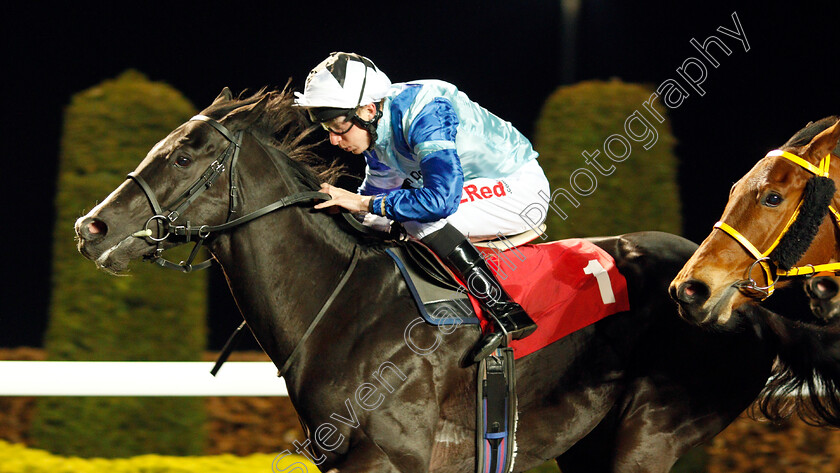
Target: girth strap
496	406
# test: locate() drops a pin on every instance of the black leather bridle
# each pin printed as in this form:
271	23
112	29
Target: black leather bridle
165	219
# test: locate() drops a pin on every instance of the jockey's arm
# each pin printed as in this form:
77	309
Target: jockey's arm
432	141
431	138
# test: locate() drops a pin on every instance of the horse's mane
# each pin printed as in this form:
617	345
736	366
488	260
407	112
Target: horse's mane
810	131
806	377
285	128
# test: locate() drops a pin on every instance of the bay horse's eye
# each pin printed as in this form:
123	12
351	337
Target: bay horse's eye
183	161
773	199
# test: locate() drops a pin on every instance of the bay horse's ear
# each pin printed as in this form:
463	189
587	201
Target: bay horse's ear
224	96
825	142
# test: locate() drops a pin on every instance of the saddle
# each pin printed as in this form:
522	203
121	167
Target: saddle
564	286
442	299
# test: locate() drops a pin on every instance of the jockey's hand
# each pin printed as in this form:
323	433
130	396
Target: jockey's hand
344	199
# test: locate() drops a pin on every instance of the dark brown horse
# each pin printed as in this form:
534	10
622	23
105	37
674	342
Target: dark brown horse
632	392
781	221
824	295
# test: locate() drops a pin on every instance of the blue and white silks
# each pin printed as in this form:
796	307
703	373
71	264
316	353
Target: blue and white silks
433	137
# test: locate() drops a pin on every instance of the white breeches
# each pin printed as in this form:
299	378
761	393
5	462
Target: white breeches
492	207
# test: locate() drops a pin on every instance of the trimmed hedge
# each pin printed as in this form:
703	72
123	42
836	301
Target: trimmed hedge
15	458
607	196
149	315
626	182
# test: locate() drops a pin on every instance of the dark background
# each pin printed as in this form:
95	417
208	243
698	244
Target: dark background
506	55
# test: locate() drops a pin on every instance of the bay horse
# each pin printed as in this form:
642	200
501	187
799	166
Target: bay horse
781	221
631	392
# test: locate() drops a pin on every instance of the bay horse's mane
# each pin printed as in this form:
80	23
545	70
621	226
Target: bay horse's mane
810	131
287	129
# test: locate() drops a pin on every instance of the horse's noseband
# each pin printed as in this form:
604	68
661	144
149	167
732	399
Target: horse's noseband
164	219
775	262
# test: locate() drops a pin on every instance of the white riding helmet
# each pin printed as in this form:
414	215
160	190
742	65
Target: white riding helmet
344	81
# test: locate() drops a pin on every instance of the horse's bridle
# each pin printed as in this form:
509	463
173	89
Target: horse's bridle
771	271
165	219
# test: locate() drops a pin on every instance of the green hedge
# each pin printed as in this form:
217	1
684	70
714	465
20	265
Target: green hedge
638	192
16	458
151	314
633	193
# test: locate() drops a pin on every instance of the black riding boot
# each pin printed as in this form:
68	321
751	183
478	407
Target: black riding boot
450	244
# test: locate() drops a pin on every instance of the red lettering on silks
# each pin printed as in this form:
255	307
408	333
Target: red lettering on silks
472	193
499	189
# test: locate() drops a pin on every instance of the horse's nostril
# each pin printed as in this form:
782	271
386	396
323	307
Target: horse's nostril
692	292
96	227
824	287
92	229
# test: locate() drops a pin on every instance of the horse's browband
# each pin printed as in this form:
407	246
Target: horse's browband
822	170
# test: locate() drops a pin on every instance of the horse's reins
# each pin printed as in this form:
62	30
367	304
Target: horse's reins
774	273
166	219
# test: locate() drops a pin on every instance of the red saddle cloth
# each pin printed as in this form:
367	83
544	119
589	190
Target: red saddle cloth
564	286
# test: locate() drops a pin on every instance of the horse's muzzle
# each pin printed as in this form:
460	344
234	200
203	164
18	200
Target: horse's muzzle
690	295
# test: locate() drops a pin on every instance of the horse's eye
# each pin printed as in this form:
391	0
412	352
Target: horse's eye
773	199
183	161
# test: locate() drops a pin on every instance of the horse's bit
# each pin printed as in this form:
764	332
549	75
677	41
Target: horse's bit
165	220
201	232
773	274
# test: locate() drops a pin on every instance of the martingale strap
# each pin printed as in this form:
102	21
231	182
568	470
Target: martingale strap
165	220
344	278
763	259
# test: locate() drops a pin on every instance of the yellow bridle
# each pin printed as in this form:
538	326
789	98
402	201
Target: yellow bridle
762	258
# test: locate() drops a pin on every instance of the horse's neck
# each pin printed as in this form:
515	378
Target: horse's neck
281	267
835	202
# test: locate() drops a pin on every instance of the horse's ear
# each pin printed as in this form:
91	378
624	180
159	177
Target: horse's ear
825	142
224	96
248	114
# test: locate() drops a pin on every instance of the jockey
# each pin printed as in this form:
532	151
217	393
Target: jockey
438	163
